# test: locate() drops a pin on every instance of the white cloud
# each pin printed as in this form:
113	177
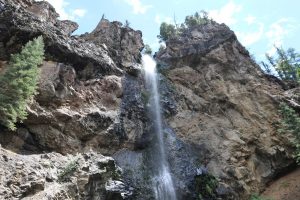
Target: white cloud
79	12
60	7
250	19
250	38
159	19
138	7
226	13
277	32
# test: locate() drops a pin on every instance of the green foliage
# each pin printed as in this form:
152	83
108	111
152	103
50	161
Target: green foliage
147	49
257	197
290	123
68	171
286	64
169	30
18	83
166	31
206	185
196	19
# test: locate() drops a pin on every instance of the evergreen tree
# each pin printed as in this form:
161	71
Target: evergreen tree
166	31
18	83
286	64
290	123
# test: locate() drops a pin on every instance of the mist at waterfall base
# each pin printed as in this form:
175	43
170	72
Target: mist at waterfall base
163	186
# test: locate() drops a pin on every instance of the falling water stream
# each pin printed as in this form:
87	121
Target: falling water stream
162	181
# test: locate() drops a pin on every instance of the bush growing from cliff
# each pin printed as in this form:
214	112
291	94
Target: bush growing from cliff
68	171
290	123
169	30
257	197
205	186
18	83
166	31
196	19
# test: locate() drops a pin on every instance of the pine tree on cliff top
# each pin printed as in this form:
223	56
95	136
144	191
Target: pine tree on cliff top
18	83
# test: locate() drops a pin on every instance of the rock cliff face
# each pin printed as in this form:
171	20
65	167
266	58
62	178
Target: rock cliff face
226	105
220	112
81	85
79	105
124	44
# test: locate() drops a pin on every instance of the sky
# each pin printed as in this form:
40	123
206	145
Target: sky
259	24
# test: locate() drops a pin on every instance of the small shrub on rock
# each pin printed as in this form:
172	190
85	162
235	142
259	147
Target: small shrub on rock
68	171
205	185
290	123
257	197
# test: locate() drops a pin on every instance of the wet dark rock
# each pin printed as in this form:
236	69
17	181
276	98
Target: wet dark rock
131	121
167	96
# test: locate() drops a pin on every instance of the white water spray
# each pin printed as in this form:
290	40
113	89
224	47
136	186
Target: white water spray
162	182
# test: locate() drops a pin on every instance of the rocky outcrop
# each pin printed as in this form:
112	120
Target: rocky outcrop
123	43
197	41
225	106
53	176
20	24
80	101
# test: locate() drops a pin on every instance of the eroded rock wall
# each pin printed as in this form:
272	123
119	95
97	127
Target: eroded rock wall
81	87
226	105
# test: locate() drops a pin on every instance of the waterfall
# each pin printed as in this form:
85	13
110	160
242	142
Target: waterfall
162	181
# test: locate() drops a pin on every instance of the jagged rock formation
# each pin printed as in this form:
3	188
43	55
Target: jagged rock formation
124	44
220	110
